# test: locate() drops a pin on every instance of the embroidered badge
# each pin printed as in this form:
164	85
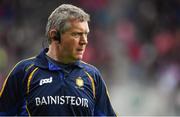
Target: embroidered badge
79	82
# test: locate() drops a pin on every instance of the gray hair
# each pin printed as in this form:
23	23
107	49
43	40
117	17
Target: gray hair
61	15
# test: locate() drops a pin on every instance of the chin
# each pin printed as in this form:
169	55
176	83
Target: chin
79	57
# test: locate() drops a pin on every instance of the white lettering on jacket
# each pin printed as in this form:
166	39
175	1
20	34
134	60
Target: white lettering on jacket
46	80
71	100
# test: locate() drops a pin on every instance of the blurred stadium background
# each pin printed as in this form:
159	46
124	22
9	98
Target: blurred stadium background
134	43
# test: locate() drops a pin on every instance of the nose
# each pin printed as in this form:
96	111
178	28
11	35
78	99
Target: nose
83	39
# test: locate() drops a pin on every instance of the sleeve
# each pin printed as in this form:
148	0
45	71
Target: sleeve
103	105
11	92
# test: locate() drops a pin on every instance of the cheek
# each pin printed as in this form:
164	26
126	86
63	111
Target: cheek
70	46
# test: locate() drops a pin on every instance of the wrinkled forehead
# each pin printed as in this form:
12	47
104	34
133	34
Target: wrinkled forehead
78	25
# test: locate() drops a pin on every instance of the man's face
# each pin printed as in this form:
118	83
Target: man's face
74	41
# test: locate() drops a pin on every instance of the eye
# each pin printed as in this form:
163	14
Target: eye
76	34
79	34
86	34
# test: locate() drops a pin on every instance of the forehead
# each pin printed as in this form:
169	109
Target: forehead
76	25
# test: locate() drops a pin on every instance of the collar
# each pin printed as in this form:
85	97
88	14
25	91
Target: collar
41	61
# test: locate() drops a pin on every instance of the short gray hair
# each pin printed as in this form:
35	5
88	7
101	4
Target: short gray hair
62	14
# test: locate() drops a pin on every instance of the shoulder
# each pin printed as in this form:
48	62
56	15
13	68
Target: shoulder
23	65
90	68
18	72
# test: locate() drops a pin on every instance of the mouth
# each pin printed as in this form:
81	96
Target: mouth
80	50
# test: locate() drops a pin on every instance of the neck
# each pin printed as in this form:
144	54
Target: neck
55	53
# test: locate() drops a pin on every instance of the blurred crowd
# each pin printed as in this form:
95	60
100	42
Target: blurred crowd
135	44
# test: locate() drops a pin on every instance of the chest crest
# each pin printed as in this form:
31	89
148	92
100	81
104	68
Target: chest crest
79	82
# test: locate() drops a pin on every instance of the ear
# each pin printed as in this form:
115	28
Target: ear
53	34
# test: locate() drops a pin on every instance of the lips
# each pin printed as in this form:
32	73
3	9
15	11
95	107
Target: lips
80	50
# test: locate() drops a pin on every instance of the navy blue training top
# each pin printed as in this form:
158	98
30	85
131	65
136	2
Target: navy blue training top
38	86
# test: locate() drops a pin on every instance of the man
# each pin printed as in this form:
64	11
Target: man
57	82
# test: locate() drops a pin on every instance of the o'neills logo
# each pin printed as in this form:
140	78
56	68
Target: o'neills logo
71	100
